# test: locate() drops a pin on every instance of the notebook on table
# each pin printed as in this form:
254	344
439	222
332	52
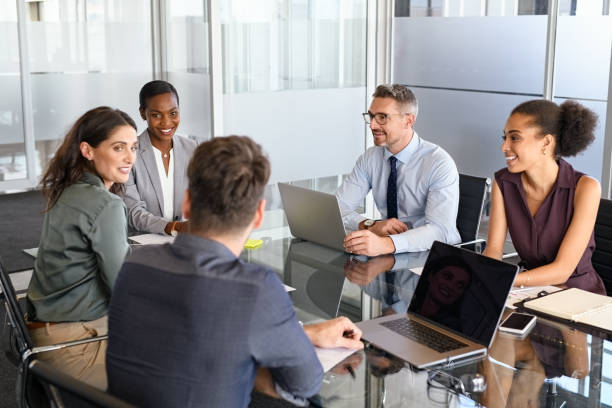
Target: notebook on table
575	305
313	215
454	313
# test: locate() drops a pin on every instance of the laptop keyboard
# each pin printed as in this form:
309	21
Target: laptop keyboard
423	335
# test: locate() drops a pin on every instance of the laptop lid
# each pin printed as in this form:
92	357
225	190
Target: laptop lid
313	215
463	292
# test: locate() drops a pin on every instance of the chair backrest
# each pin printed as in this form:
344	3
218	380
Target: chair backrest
602	257
472	192
66	391
15	313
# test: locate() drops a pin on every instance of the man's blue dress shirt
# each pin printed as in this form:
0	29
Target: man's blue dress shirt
427	193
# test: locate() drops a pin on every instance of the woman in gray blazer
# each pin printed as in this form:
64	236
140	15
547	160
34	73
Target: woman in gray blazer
158	180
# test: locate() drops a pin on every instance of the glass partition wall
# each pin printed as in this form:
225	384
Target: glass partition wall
79	54
293	76
471	62
12	138
84	54
294	79
186	64
70	56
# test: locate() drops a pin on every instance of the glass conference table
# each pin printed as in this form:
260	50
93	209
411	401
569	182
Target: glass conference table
554	366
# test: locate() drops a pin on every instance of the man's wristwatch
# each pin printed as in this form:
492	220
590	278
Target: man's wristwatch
368	223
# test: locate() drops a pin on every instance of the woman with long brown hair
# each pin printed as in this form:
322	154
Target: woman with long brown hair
83	241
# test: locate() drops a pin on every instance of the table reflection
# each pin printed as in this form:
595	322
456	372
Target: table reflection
551	366
517	369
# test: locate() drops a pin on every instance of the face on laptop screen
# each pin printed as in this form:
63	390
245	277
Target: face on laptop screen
463	291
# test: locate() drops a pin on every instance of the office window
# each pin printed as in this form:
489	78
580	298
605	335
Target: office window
12	146
188	66
85	54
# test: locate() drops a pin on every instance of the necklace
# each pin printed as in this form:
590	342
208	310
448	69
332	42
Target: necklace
166	155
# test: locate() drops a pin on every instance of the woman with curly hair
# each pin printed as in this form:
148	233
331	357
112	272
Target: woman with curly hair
548	207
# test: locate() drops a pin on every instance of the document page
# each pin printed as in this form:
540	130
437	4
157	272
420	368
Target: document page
329	358
33	252
576	305
152	239
417	270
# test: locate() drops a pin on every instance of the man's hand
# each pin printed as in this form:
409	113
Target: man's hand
338	332
390	226
365	242
179	226
362	273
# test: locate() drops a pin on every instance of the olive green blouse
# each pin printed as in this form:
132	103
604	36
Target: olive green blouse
82	247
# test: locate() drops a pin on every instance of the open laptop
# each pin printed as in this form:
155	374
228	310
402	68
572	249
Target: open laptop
454	312
313	215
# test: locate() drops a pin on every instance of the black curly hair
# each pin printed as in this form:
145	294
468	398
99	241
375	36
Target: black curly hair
571	123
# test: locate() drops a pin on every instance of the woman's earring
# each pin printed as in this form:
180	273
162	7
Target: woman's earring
544	152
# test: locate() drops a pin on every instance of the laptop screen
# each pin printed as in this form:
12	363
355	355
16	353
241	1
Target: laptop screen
463	291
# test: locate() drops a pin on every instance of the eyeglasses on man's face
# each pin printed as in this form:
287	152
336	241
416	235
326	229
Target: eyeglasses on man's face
380	118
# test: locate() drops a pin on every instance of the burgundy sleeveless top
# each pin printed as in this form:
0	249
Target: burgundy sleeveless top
537	239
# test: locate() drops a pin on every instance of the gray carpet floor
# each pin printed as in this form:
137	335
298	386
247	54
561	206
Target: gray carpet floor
8	373
20	226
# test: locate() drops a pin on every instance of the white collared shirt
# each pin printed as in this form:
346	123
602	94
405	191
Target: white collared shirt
427	193
167	182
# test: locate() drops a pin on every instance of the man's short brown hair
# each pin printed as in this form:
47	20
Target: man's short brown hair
227	178
404	97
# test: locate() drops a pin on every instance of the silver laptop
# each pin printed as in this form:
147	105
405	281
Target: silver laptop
313	216
454	312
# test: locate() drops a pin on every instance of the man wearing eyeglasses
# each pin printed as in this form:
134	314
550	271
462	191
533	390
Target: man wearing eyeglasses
415	183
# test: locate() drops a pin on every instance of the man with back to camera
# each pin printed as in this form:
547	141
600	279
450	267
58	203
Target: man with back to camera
191	324
415	183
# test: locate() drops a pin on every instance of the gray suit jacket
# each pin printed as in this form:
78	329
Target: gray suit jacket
143	192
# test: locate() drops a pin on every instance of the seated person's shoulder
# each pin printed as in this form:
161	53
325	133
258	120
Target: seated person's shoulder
588	186
89	198
186	143
588	182
255	274
435	151
145	254
436	161
171	259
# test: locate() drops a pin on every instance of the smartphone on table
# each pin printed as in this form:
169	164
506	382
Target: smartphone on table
518	323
